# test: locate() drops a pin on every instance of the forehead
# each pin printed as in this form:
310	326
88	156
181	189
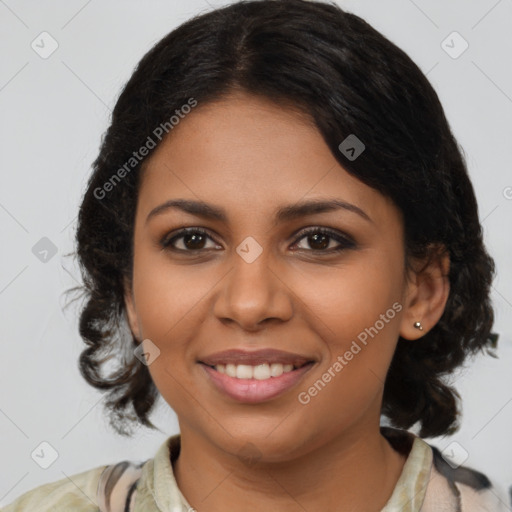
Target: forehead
250	156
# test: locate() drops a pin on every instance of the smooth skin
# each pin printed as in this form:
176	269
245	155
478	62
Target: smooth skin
250	157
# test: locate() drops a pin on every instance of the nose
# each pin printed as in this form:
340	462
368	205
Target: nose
253	294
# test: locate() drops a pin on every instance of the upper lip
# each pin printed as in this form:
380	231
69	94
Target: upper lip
255	357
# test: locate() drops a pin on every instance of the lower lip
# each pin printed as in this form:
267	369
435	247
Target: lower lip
253	391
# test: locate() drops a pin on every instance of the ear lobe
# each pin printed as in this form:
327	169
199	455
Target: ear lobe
131	314
428	289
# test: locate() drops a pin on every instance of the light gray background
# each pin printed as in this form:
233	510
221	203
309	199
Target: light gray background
53	113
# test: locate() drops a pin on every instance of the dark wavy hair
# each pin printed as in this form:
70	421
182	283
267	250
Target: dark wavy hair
349	79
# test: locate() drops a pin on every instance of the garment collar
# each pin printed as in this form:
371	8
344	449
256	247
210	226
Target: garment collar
408	494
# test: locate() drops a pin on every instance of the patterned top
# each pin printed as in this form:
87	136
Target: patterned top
427	484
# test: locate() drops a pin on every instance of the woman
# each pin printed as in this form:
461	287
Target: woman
282	216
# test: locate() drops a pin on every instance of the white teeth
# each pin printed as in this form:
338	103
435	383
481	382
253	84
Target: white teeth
276	369
259	372
231	370
244	371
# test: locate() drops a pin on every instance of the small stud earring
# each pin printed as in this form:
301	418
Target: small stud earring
418	326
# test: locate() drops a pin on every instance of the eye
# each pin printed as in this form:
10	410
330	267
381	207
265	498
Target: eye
191	239
319	239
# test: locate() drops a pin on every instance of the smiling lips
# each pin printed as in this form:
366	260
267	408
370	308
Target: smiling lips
256	376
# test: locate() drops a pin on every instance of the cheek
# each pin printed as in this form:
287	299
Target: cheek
360	307
348	299
168	297
349	383
168	303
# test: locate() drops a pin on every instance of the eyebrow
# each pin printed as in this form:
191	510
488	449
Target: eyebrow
284	213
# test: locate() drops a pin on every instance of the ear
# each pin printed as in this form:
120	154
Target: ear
427	291
131	314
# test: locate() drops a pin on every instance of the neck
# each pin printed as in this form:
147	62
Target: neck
357	471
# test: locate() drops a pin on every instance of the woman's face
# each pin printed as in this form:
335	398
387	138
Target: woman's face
254	280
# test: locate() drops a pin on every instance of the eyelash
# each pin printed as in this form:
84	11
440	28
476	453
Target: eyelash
344	241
